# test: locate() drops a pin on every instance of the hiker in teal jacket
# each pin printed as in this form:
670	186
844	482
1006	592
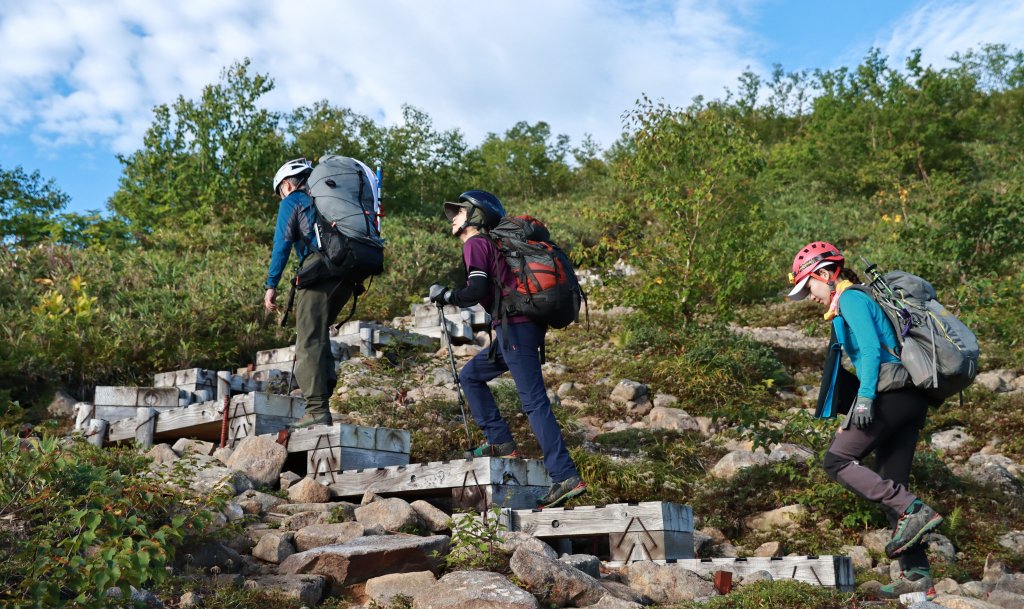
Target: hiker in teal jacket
884	412
317	305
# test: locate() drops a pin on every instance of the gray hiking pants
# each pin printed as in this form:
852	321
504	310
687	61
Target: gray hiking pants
316	308
892	437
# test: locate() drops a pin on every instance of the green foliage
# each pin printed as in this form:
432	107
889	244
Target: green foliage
205	160
783	594
476	542
696	216
80	520
524	163
27	207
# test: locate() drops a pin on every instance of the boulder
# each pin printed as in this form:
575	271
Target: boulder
381	590
674	419
784	517
303	519
860	556
308	589
962	602
308	490
667	584
62	406
1013	541
264	502
317	535
474	590
591	565
951	440
433	519
554	582
790	452
260	458
275	547
729	465
393	514
361	558
769	549
629	391
161	454
513	540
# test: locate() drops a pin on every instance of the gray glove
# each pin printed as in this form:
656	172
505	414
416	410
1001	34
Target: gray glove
861	414
439	294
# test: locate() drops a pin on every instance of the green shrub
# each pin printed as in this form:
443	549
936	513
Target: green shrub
79	520
783	594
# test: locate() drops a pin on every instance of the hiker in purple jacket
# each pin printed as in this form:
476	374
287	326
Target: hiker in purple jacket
516	349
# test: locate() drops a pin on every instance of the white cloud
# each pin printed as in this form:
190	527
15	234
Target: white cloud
94	69
943	27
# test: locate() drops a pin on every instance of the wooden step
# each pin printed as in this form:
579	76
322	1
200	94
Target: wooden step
650	530
831	571
331	449
481	482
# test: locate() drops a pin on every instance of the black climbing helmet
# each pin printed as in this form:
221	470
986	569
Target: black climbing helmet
485	209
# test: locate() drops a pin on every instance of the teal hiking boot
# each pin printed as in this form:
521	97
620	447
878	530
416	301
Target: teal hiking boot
916	522
505	449
561	492
310	419
916	579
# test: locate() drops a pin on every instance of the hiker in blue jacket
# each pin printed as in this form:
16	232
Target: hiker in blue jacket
886	413
317	305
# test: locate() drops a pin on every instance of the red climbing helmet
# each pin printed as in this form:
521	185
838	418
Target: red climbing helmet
810	258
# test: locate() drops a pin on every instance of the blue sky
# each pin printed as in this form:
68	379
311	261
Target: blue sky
79	78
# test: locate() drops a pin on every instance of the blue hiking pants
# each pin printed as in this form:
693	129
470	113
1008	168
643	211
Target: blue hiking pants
521	357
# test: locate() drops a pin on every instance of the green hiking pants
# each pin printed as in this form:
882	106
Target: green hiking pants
316	308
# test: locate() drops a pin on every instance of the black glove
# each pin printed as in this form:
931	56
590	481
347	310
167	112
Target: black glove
861	414
439	294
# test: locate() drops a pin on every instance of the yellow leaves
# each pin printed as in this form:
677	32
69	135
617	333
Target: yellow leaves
54	305
895	219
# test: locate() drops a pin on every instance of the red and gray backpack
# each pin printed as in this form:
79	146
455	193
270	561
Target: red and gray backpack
547	290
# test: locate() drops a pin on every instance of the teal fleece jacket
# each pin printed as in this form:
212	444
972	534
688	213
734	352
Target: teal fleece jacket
867	337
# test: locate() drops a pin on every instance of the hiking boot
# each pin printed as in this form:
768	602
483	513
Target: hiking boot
914	524
309	420
561	492
505	449
916	579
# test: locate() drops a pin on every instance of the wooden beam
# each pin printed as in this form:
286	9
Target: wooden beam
441	475
96	432
137	396
828	570
601	519
145	427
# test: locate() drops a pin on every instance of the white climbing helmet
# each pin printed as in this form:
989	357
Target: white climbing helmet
290	169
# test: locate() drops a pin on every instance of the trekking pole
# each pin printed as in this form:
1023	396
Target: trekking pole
455	375
287	309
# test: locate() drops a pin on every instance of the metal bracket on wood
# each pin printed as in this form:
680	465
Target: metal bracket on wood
477	485
647	549
235	425
333	464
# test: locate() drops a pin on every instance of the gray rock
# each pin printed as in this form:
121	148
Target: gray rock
702	545
554	582
667	584
790	452
295	508
948	585
62	406
383	589
859	556
610	601
275	547
624	592
364	557
876	539
434	519
769	549
729	465
996	380
303	519
976	589
628	391
940	548
308	589
565	389
317	535
664	400
140	597
308	490
951	440
265	502
222	454
591	565
513	540
208	476
260	458
674	419
962	602
1011	582
756	576
393	514
188	445
784	517
1013	541
992	470
474	590
1006	599
162	453
288	479
190	600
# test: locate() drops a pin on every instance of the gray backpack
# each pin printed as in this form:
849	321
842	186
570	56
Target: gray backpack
939	352
346	232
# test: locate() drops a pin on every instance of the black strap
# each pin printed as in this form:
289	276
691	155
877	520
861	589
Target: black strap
291	301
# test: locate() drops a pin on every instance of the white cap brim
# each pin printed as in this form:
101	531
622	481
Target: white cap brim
800	290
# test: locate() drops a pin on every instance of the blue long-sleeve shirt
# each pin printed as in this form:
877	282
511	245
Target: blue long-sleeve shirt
867	337
294	227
